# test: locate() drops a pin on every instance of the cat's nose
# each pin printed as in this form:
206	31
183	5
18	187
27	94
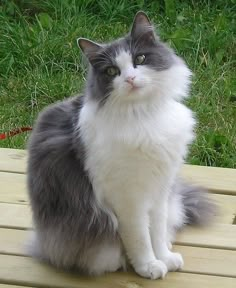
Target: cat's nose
130	80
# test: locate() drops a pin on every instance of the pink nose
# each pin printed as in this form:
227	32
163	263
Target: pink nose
130	80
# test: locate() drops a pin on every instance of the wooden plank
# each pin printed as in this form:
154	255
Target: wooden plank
13	160
19	216
208	261
227	208
216	236
12	241
15	216
26	271
197	260
219	180
13	188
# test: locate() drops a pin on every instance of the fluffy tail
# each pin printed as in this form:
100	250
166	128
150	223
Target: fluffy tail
198	208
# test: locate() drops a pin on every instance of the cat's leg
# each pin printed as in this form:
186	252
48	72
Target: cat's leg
159	236
135	235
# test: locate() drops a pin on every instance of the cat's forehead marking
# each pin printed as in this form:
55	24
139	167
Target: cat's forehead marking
123	59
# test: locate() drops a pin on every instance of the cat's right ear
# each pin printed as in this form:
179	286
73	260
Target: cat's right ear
89	48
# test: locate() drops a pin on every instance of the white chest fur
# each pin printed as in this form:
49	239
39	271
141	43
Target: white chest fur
134	149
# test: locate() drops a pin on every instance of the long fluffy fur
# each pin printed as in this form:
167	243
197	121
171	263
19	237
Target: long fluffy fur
102	170
199	209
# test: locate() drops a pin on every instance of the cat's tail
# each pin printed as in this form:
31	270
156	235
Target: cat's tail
198	207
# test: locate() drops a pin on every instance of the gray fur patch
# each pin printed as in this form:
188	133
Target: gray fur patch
65	211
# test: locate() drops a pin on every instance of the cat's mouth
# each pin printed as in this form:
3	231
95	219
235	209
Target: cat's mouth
134	88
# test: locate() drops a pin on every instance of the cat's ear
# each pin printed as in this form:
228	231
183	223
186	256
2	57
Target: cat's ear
89	48
142	27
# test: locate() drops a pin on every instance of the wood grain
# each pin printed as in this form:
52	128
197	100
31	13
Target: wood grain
12	241
209	253
26	271
197	260
220	180
13	160
216	236
15	216
208	261
19	216
13	188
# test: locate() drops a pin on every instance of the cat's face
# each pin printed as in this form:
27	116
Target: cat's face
129	69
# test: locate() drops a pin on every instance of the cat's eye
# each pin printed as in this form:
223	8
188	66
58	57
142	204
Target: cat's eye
139	59
112	71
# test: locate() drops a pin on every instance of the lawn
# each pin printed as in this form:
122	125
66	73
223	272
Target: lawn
40	62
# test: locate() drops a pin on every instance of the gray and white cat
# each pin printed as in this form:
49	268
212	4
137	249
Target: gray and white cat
102	170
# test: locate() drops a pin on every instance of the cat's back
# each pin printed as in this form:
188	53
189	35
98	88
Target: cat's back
53	133
51	148
55	165
55	124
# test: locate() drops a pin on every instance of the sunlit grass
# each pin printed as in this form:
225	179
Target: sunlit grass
40	62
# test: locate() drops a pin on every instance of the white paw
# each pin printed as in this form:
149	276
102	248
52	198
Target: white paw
174	261
153	270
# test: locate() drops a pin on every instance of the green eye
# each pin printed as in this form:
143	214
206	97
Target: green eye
112	71
139	59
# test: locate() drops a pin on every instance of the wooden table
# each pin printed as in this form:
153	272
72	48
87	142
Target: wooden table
209	253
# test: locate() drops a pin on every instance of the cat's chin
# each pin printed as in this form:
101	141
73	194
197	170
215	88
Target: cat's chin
134	89
139	93
134	94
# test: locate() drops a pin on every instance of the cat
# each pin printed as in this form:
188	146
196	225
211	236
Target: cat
103	167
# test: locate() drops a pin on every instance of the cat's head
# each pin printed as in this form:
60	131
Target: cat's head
136	67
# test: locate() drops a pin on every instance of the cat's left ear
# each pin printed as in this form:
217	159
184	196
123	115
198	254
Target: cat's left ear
89	48
142	27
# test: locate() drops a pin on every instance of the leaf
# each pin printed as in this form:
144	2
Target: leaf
45	20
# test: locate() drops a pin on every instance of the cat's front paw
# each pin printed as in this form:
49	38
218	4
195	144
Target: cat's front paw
153	270
173	261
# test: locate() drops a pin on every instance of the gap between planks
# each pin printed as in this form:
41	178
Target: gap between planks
14	286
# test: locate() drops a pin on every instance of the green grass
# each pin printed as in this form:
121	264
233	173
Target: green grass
40	62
